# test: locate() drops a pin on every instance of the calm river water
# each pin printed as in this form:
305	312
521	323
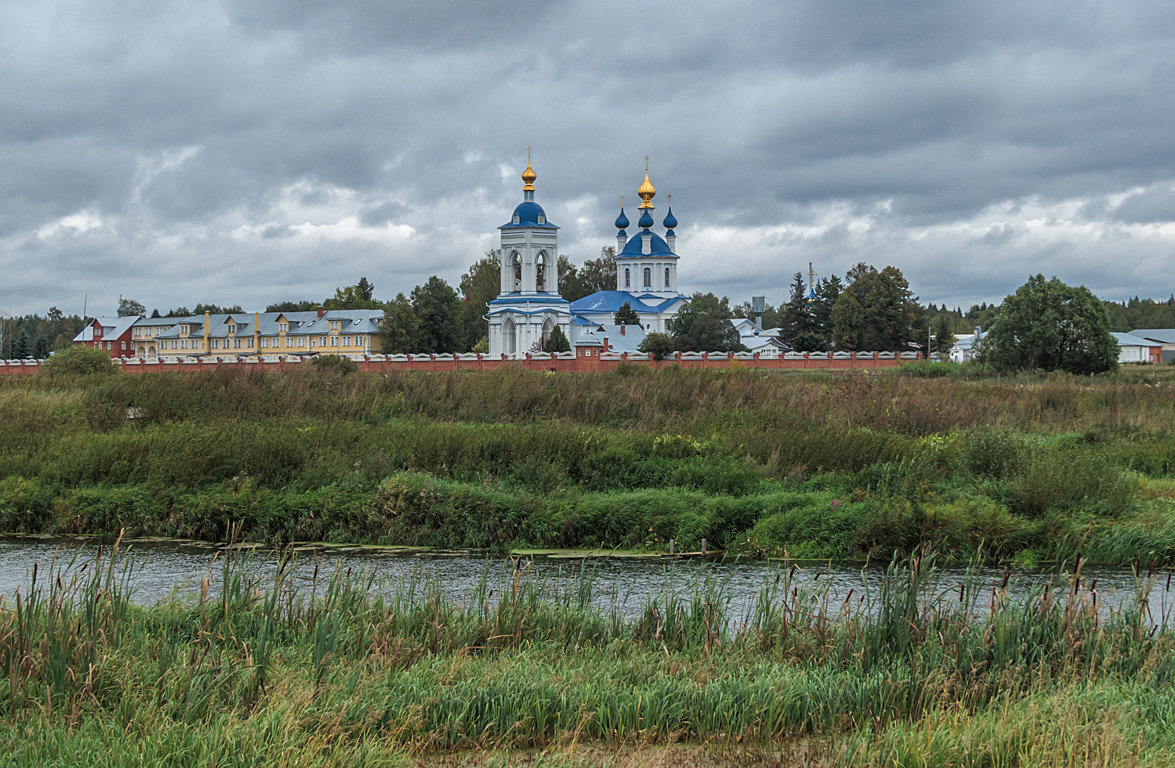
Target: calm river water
165	570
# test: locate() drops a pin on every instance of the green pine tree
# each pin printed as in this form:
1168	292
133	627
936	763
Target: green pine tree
438	311
400	328
557	341
626	315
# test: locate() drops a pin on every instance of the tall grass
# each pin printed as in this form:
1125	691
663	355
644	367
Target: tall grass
285	668
852	466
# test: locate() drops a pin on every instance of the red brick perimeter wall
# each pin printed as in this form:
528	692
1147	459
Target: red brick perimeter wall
436	363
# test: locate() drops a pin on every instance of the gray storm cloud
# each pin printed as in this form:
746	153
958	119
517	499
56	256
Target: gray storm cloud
252	151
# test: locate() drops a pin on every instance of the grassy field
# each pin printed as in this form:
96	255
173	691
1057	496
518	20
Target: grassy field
1031	470
258	675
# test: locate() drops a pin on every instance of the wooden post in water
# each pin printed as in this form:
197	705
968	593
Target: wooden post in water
671	547
703	547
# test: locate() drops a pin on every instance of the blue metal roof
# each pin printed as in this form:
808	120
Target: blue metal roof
610	301
657	247
1133	340
1161	335
665	304
629	341
529	214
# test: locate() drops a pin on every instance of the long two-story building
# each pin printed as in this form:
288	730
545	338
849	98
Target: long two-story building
241	334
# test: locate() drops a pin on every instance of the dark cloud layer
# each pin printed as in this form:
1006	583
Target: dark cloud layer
256	150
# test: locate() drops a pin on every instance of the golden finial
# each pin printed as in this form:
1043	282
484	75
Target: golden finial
669	199
647	191
622	201
528	175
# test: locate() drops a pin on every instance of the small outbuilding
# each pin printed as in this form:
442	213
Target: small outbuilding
1164	338
1135	349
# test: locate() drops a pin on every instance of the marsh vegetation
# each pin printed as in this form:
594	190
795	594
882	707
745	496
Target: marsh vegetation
856	466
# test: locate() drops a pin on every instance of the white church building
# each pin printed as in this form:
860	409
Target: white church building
529	307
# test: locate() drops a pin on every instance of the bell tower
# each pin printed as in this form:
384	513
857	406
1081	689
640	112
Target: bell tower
528	306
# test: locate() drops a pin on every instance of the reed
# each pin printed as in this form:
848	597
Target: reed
273	670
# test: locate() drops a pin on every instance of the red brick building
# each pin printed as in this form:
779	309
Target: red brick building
112	334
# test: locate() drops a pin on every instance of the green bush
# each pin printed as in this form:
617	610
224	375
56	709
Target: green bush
1065	479
1148	539
995	453
342	365
659	344
24	505
79	361
807	528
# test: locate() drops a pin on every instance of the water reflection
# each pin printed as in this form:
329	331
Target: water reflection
175	570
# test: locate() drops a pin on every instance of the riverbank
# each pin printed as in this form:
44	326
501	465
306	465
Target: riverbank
853	467
256	673
328	549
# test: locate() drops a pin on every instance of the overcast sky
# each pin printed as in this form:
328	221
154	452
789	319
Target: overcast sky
257	150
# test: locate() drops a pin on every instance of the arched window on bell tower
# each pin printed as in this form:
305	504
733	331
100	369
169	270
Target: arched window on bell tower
517	277
627	278
666	278
509	336
540	272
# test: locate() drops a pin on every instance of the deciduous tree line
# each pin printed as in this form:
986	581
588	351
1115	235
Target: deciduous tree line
1045	324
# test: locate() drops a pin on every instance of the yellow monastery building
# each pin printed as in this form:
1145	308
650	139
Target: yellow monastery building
263	334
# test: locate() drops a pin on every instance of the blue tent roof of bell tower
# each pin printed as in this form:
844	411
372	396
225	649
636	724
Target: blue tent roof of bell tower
529	214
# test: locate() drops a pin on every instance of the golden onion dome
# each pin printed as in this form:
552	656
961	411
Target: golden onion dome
528	176
647	191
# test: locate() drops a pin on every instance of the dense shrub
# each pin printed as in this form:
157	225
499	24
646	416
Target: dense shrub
24	505
1067	480
991	452
79	361
338	363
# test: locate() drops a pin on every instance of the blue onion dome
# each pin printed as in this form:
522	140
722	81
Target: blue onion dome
529	213
670	219
621	220
646	220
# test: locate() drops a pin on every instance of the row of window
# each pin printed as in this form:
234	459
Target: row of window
646	278
266	342
234	343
